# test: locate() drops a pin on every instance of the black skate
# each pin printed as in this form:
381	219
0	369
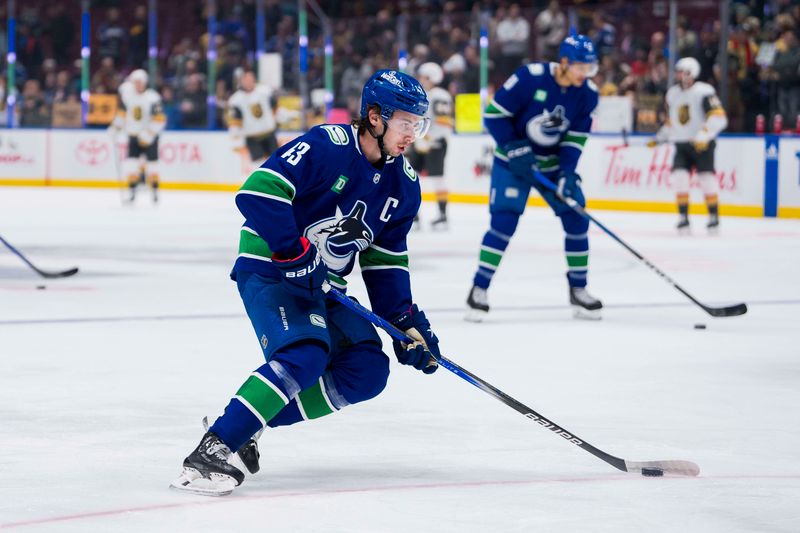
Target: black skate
713	225
683	225
584	305
477	305
207	469
440	223
248	454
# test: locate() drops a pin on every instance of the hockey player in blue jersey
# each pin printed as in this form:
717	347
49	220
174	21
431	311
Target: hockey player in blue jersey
540	118
337	194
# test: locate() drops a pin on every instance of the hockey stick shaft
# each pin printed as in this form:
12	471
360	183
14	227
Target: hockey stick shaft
43	273
672	467
732	310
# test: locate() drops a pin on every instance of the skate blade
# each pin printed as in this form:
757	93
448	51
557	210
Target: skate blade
475	315
685	231
586	314
192	481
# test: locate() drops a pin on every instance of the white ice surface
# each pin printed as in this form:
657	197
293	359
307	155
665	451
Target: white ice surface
104	378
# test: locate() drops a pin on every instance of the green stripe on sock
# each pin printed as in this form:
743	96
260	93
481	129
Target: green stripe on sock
313	401
490	257
578	260
253	244
262	397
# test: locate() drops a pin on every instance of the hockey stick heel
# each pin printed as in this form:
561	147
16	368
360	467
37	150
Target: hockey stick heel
44	273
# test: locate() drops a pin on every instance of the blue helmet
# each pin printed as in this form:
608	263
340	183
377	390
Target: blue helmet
393	90
577	48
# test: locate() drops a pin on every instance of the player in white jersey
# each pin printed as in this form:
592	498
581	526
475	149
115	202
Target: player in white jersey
141	116
695	119
430	151
251	121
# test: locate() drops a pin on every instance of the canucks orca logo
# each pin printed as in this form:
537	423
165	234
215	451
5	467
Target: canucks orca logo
338	238
546	129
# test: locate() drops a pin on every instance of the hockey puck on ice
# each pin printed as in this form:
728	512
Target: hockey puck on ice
41	287
699	326
652	472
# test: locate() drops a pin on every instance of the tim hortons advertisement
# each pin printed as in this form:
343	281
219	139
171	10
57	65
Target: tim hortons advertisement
22	154
612	170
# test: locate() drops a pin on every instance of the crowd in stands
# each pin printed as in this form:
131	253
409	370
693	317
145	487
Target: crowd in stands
763	51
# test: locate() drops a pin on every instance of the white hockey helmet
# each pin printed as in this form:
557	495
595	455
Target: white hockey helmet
432	71
690	66
139	75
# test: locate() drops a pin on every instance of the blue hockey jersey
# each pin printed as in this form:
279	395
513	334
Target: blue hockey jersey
322	187
556	120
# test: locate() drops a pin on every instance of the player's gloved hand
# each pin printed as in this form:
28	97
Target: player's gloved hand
652	143
146	138
701	140
569	186
521	159
303	275
422	353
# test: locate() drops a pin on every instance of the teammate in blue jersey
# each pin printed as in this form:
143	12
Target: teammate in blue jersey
337	194
540	119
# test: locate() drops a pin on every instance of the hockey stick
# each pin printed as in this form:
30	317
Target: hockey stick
117	169
43	273
726	311
646	468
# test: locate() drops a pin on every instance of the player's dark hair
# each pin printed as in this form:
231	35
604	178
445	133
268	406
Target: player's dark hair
363	123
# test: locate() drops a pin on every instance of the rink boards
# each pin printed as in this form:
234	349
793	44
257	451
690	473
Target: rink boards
758	175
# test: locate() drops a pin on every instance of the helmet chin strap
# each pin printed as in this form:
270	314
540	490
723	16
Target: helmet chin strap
379	138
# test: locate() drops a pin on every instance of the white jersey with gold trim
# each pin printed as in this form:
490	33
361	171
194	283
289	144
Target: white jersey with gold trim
440	111
143	113
251	111
689	110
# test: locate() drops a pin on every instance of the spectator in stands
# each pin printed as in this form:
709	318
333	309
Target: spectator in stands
111	36
34	111
551	28
513	33
107	78
686	38
29	50
603	33
137	38
192	104
742	44
471	81
419	55
707	53
786	73
60	28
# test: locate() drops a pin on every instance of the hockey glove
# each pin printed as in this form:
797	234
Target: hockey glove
521	160
701	140
303	275
423	352
569	186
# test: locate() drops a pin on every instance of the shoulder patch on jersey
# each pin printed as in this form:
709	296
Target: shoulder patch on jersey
536	69
510	82
337	134
409	170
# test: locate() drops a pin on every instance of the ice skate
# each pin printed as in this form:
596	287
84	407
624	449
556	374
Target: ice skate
477	305
247	456
207	470
440	224
683	225
584	305
713	225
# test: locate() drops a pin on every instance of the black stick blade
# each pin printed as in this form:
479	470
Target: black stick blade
731	310
54	275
